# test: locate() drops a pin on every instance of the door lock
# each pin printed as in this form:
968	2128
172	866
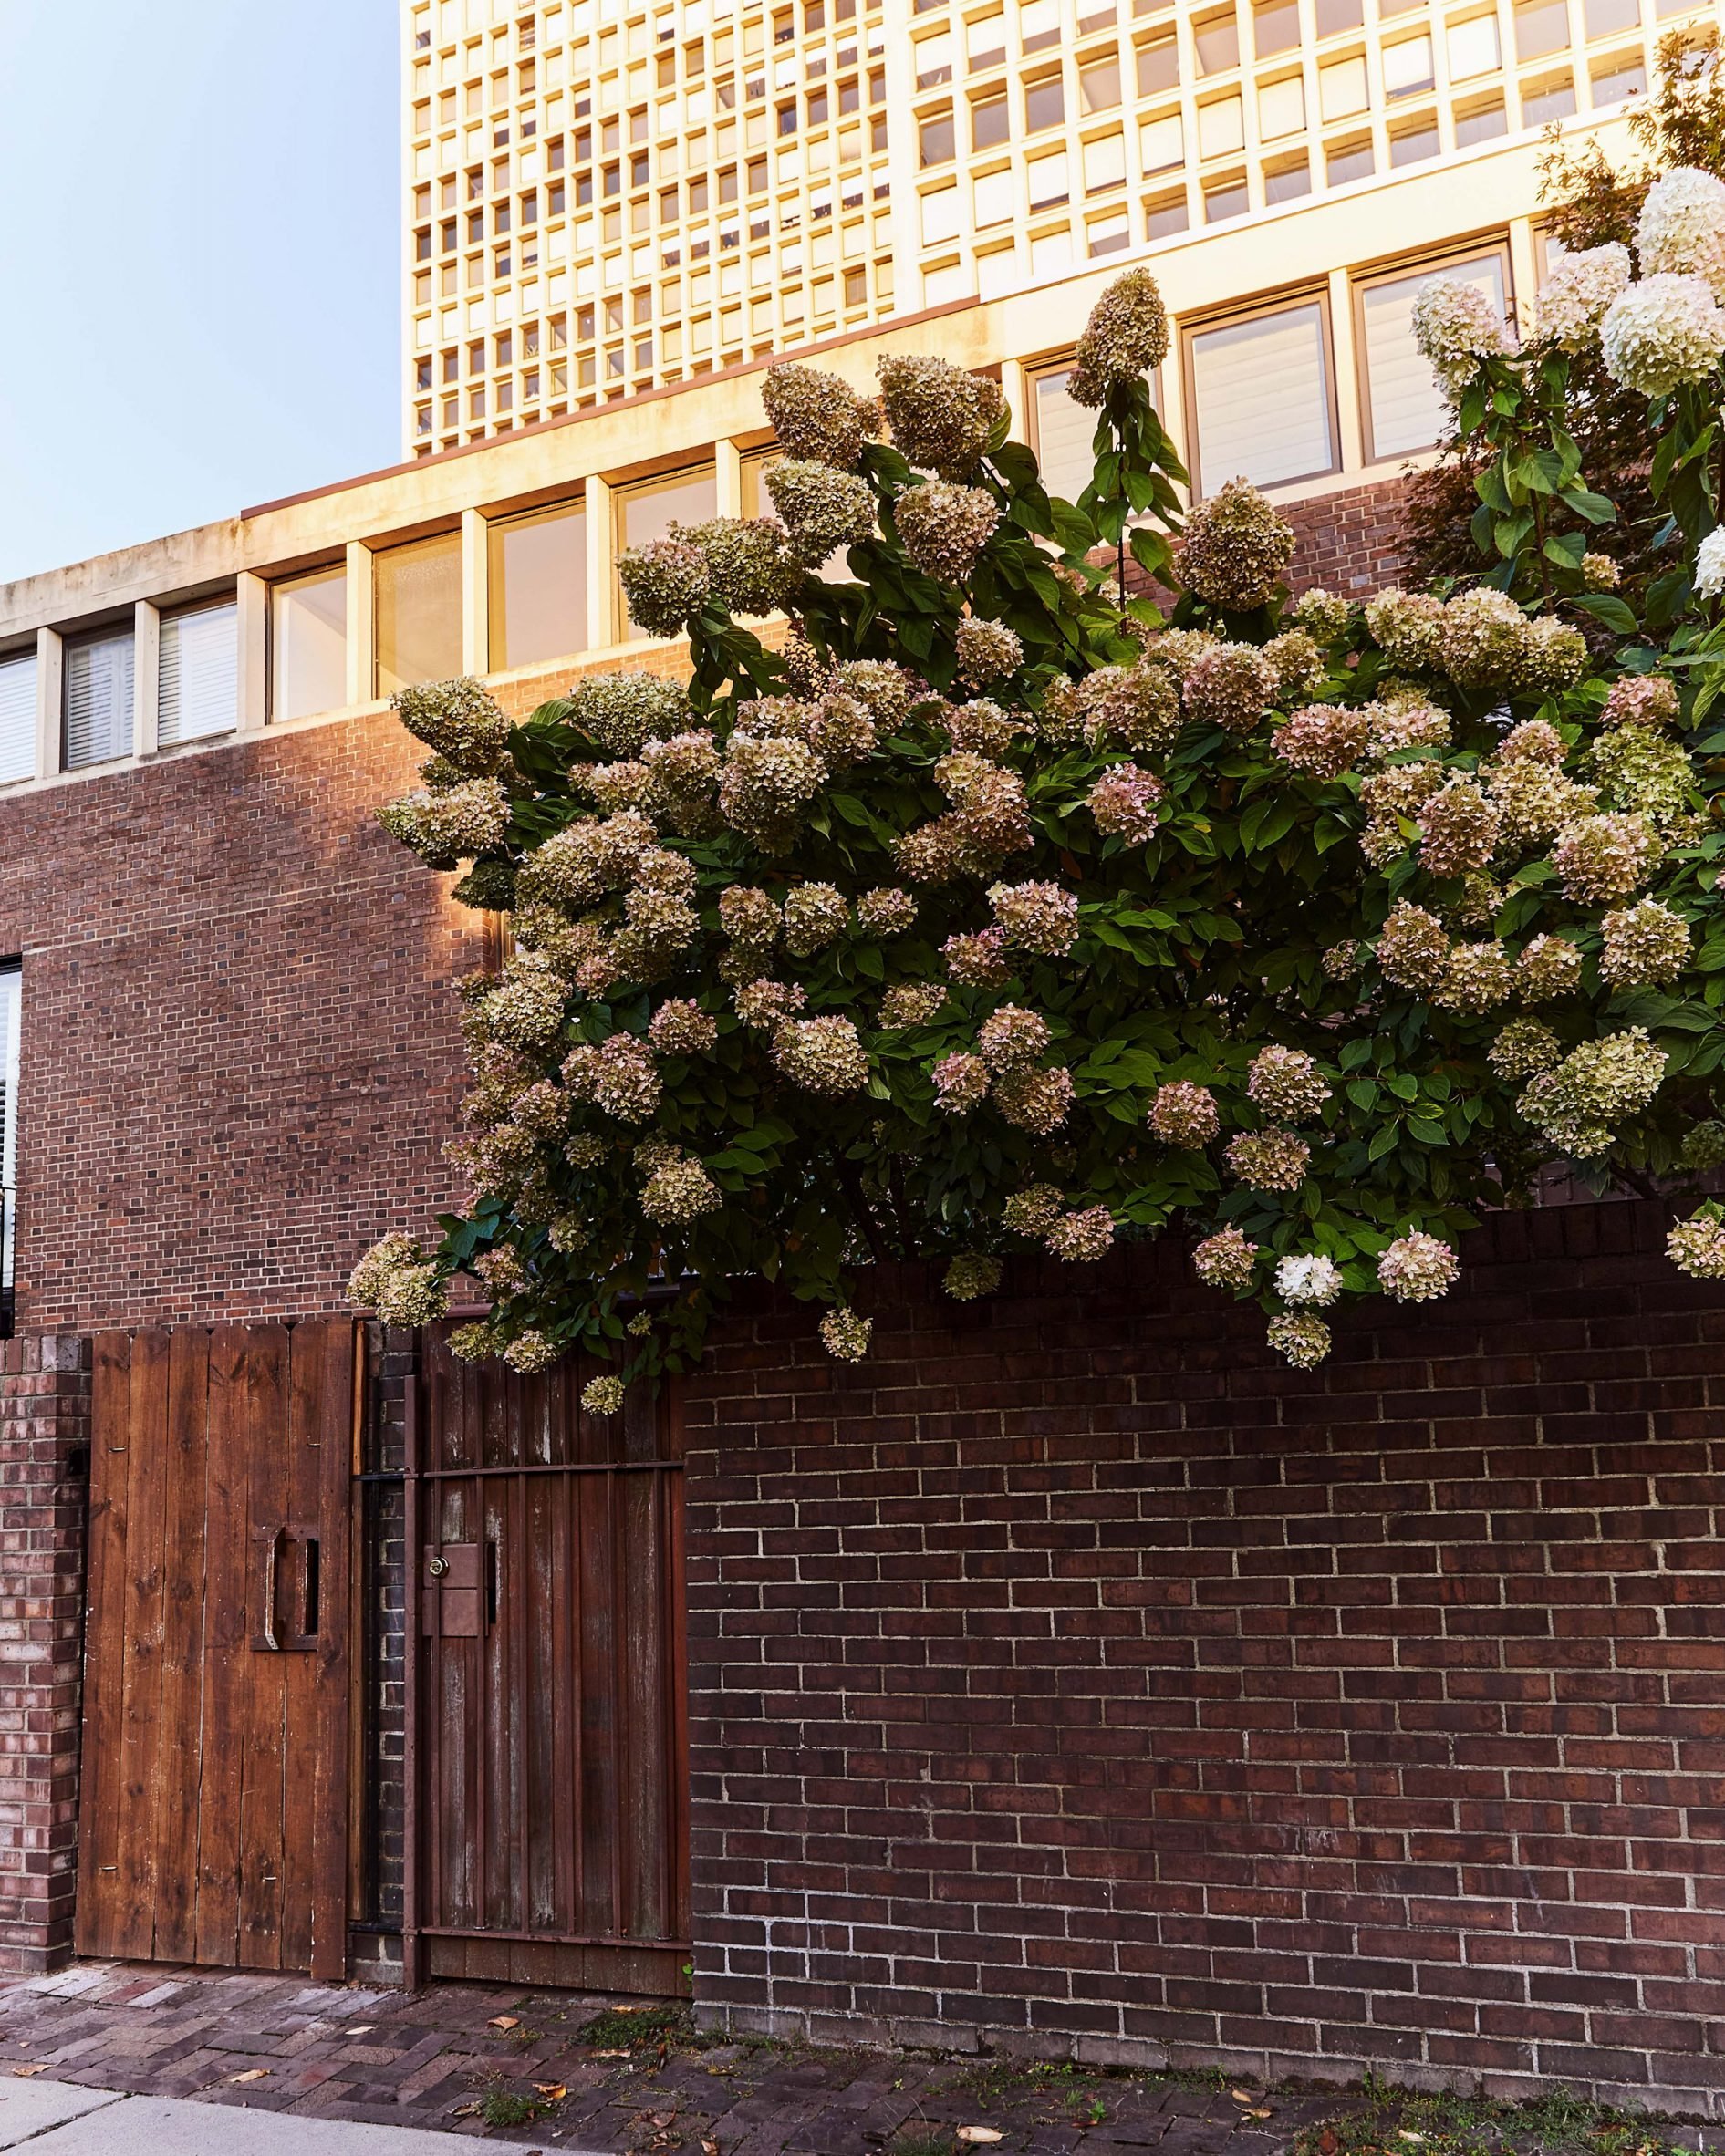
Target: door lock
438	1567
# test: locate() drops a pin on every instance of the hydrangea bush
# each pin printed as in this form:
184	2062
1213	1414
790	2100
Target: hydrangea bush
999	911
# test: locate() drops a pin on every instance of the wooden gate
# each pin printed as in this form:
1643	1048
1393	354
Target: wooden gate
212	1818
548	1740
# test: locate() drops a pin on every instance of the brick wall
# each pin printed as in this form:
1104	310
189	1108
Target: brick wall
44	1464
1352	541
1072	1676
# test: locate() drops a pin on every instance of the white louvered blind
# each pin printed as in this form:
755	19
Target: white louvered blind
1262	396
17	718
99	691
1405	408
198	684
1063	434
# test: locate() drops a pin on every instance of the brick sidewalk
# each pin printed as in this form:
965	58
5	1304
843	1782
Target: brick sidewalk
441	2060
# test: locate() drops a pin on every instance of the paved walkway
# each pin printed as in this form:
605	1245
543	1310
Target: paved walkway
536	2069
135	2062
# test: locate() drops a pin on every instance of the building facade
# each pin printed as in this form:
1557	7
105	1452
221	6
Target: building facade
601	198
1060	1682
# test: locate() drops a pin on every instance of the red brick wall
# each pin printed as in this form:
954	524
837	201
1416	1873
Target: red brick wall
1351	542
1072	1675
44	1427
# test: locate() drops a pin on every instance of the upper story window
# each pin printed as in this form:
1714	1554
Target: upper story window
1404	408
97	699
17	716
538	587
648	512
1239	430
308	642
198	674
418	613
1064	433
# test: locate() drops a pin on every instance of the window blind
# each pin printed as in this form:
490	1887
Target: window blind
17	718
199	680
1405	407
98	698
1262	396
1063	434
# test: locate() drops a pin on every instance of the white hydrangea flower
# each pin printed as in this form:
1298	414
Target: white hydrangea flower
1455	327
1574	299
1709	564
1663	332
1312	1282
1682	227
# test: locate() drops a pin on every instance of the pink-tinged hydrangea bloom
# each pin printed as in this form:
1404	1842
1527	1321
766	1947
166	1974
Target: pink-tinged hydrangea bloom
1418	1267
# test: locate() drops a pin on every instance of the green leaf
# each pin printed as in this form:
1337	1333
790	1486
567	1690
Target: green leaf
1606	608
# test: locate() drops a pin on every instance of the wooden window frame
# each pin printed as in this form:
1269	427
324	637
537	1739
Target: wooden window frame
1257	310
1433	264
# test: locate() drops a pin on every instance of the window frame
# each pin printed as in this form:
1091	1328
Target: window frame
1362	281
622	493
1232	317
118	632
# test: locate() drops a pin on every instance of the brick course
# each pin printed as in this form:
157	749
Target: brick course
44	1429
1073	1677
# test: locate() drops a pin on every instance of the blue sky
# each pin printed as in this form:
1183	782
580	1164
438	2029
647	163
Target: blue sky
201	262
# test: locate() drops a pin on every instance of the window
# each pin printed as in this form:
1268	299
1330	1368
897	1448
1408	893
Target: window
985	42
1541	26
1275	27
17	718
1217	39
1039	24
1227	198
1103	164
1045	104
1603	17
97	700
1282	108
1407	66
1481	123
538	587
1288	183
418	613
1616	79
1349	161
1240	431
1158	66
993	199
1162	146
1164	215
1099	84
648	512
1410	146
933	60
1063	434
935	140
1548	101
1338	15
308	644
1473	47
989	123
1405	409
198	674
1050	183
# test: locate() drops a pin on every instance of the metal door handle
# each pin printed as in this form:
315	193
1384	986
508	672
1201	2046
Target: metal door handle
438	1567
270	1640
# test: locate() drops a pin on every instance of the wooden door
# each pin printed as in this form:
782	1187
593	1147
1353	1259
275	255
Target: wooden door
548	1843
212	1815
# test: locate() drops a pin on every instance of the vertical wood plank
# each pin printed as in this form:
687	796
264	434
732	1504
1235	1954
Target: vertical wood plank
335	1492
98	1899
140	1721
263	1729
226	1648
413	1787
184	1560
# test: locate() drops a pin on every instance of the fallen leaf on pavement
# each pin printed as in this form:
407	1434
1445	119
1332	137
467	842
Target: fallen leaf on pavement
251	2074
610	2055
23	2073
1243	2096
465	2111
503	2021
363	2028
1258	2111
981	2136
553	2092
709	2149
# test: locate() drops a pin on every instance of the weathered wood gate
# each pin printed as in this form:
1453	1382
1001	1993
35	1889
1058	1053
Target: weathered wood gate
546	1737
214	1805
